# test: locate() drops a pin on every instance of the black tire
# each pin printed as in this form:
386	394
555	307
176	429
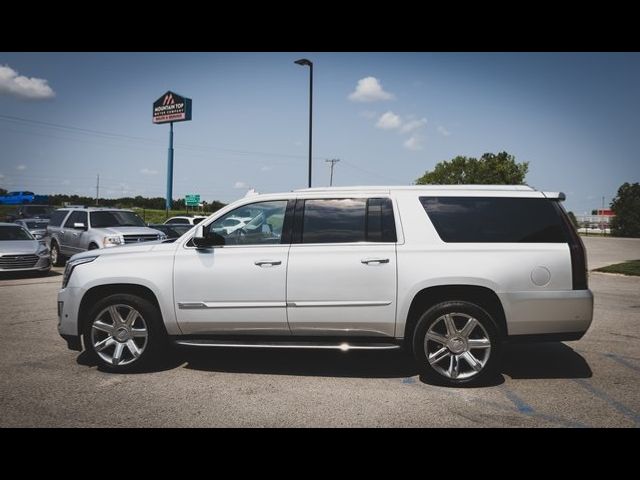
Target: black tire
434	316
93	246
57	260
156	341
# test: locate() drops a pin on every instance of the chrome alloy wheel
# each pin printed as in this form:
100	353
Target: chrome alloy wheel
457	346
119	334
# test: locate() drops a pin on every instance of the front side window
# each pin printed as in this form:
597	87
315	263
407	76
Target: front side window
76	217
495	219
108	219
262	224
348	220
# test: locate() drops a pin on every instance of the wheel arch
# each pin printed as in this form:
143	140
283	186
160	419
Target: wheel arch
484	297
100	291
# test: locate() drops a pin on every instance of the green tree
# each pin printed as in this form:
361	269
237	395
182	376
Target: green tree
490	169
626	206
3	191
573	219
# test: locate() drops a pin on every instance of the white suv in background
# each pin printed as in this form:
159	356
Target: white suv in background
447	272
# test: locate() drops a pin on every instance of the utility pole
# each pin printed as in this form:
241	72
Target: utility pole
333	161
97	189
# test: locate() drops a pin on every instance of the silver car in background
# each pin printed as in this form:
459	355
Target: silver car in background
73	230
36	226
20	251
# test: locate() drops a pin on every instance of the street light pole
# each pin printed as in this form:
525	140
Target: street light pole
309	63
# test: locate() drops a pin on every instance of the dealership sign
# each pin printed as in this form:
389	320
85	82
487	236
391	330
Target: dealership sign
171	107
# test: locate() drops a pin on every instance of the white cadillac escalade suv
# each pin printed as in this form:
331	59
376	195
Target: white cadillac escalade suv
448	272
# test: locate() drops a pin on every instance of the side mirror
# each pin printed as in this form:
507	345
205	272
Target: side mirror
208	239
80	226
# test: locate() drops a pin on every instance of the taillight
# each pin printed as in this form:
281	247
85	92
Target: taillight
579	273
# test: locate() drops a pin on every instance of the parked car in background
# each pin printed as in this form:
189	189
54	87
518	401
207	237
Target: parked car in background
21	252
30	211
74	230
18	198
231	224
172	231
185	220
447	272
36	226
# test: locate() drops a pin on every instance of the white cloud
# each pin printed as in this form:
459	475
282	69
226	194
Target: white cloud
265	168
443	131
148	171
240	184
412	125
414	142
1	176
21	167
369	89
389	121
23	87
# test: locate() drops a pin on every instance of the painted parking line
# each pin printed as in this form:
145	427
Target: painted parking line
619	406
622	361
523	407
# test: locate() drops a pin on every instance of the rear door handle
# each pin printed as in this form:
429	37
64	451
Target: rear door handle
267	263
374	261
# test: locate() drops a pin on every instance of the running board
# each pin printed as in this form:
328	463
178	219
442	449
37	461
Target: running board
344	346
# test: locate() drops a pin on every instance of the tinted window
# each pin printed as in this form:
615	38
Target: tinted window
14	233
177	220
348	220
57	217
76	217
381	226
486	219
115	219
197	220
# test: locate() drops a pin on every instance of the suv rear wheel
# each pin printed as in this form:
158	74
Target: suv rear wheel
124	333
456	343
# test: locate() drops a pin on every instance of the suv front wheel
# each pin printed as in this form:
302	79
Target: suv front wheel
456	343
123	333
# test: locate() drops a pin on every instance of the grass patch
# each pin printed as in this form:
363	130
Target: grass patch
631	267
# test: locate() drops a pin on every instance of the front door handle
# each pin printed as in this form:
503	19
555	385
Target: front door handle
374	261
267	263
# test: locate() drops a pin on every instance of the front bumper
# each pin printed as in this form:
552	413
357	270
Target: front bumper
535	313
68	308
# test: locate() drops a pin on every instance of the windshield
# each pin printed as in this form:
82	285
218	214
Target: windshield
34	224
14	233
115	219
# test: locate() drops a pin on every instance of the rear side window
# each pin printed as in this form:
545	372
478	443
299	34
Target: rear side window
57	217
348	220
495	220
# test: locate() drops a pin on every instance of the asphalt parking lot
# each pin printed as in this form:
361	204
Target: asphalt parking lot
594	382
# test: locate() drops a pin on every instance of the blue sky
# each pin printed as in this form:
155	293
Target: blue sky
573	116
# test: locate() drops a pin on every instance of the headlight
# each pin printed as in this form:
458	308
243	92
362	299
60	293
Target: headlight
113	240
71	264
162	236
42	250
38	236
